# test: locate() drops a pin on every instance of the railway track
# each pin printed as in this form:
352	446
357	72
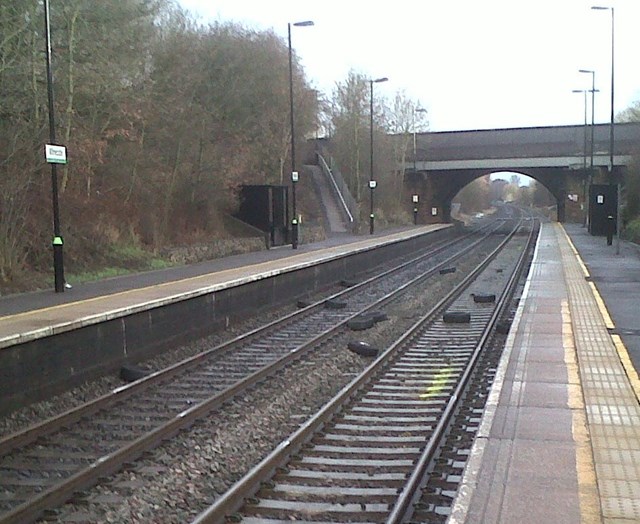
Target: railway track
44	465
366	455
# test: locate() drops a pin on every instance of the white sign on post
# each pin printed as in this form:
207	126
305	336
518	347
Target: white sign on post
55	154
372	184
294	176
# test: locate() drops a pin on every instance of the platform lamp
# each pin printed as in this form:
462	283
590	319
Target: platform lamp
294	173
611	138
593	92
372	182
584	150
55	154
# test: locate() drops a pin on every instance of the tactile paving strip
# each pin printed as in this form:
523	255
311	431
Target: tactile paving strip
612	407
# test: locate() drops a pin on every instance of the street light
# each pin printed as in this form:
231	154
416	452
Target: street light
58	258
372	182
294	173
584	151
592	143
593	105
603	8
415	151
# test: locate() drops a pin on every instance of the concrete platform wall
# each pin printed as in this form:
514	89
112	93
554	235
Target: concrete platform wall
42	367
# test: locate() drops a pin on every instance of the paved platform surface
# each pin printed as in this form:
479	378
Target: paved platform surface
617	278
560	439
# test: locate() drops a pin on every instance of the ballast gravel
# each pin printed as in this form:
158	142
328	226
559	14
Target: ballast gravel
181	478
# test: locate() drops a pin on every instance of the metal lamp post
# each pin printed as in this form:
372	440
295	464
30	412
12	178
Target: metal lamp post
584	150
58	257
372	182
593	92
611	138
592	143
294	173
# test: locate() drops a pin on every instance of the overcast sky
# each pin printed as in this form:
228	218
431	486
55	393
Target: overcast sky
474	64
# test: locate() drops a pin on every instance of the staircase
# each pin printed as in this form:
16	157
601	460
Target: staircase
339	206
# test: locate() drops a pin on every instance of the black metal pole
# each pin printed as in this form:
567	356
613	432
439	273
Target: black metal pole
584	148
58	257
371	215
612	97
294	220
591	147
585	197
591	144
593	110
414	144
611	141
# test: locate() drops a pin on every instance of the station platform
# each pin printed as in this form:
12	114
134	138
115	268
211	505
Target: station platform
560	438
40	314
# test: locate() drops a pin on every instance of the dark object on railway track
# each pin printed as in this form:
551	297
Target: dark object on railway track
456	317
503	327
348	283
360	323
447	270
303	303
335	304
363	349
484	298
378	316
366	320
130	373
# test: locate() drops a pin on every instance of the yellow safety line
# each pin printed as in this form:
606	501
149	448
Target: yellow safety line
588	497
630	370
118	294
181	281
623	353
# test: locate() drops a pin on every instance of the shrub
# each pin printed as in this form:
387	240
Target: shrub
632	231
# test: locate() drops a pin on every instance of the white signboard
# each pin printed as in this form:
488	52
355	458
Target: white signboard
55	154
434	211
294	176
415	198
600	199
372	184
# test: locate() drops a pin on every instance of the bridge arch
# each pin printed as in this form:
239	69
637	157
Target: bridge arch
436	189
538	193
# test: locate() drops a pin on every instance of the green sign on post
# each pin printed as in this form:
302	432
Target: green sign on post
55	154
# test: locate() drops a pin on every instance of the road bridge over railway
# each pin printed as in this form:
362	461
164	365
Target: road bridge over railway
558	157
